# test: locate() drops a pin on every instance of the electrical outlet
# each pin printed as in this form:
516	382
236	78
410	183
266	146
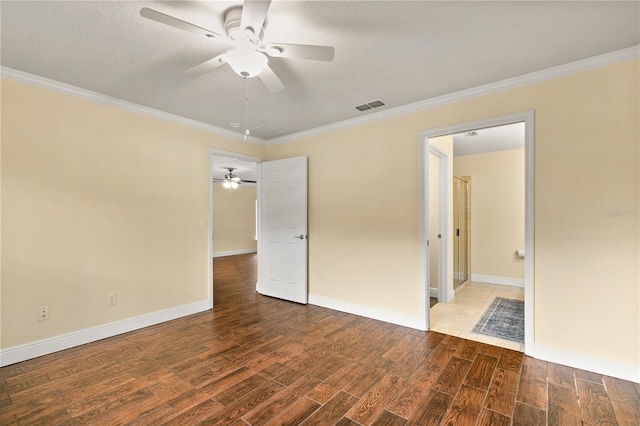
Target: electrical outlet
112	299
43	313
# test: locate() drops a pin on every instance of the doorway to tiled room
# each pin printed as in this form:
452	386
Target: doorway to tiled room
487	235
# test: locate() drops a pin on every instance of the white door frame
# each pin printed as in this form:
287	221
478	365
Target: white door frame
445	291
528	118
214	152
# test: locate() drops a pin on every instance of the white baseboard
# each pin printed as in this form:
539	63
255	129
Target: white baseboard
515	282
433	292
233	252
587	362
65	341
368	312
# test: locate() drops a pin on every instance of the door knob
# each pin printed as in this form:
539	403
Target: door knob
299	236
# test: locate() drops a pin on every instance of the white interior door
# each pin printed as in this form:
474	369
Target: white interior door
283	229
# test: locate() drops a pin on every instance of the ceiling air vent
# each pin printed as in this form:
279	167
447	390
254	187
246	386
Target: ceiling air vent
266	132
370	105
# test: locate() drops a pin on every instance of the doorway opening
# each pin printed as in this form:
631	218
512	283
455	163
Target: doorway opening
464	259
461	224
233	225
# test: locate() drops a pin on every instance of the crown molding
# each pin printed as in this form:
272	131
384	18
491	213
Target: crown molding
594	62
587	64
67	89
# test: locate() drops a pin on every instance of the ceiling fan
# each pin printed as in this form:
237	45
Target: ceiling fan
230	180
248	55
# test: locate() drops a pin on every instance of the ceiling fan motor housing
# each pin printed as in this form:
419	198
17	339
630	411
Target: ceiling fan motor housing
232	22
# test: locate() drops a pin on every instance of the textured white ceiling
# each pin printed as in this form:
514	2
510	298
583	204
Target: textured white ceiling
490	139
398	51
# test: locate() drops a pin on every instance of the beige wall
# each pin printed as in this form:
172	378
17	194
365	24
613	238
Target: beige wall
363	224
234	218
97	200
497	211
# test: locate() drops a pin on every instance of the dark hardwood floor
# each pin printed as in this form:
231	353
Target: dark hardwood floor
261	361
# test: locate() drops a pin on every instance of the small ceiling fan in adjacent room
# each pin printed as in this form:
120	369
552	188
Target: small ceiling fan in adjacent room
232	181
248	55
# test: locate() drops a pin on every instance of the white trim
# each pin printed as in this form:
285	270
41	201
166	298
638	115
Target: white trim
582	65
587	362
209	283
259	224
528	118
491	279
223	153
445	286
423	235
587	64
67	89
444	293
368	312
234	252
433	292
65	341
529	223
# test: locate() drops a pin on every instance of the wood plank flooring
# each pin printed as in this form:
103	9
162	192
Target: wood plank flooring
255	360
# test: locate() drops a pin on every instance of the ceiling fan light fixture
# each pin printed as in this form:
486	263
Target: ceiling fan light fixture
246	62
231	181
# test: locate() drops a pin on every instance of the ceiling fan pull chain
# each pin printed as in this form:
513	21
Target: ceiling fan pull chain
246	112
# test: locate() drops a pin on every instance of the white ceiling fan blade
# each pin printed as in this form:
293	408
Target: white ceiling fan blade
254	12
154	15
300	51
206	66
271	80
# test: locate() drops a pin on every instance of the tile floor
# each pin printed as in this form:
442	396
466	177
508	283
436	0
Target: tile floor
458	317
